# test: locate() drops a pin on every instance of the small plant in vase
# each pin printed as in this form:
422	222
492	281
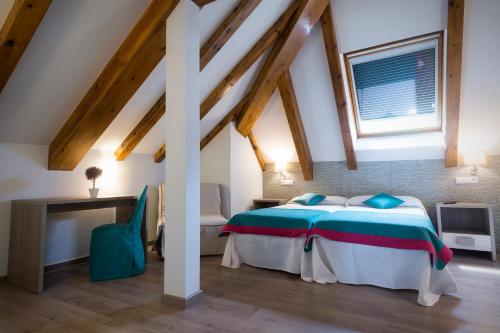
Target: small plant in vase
92	174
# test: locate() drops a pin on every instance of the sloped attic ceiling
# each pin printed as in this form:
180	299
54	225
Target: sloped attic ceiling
77	38
68	51
73	44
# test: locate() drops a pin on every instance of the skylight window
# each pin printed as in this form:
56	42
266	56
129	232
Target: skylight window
396	88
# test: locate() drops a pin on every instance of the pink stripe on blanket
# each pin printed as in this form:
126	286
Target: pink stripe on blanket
374	240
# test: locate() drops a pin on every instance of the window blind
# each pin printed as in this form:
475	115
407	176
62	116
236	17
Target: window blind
396	86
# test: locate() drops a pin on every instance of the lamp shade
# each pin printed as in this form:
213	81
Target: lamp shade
474	158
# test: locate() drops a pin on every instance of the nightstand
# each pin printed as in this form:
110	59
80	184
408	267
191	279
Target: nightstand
267	203
467	225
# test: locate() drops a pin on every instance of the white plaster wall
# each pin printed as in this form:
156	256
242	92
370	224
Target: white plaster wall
24	175
246	175
71	46
359	24
273	133
215	159
230	160
365	23
480	104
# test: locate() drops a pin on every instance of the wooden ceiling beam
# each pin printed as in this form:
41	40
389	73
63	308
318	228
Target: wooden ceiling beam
258	153
226	29
287	91
201	3
333	57
456	10
231	116
262	45
17	31
141	129
280	59
222	34
138	55
160	154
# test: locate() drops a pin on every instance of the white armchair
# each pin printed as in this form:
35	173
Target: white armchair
213	204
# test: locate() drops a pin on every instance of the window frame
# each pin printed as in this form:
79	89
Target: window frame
439	37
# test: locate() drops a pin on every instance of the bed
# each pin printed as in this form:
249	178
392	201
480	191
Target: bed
274	238
393	248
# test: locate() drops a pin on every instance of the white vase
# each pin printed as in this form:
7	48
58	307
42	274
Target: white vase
93	192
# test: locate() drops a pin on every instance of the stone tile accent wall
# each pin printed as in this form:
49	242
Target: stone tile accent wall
428	180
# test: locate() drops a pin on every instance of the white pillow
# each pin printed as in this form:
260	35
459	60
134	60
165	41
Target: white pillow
333	200
408	201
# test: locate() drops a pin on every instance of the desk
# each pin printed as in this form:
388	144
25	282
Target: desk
27	233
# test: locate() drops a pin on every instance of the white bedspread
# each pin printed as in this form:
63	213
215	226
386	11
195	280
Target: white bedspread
326	208
331	261
272	252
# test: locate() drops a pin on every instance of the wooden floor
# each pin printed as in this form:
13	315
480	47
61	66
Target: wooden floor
250	300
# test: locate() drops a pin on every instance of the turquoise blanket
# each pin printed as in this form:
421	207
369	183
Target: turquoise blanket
400	231
274	222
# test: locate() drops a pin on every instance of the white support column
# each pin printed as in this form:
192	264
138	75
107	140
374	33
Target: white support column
182	230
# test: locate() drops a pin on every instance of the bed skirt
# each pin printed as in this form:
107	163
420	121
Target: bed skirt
272	252
330	261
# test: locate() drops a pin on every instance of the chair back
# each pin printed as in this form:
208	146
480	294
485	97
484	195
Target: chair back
134	225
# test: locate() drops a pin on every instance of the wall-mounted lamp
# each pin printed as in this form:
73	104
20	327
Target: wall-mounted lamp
474	159
281	167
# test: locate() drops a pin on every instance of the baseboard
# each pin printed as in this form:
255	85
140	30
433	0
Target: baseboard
65	264
180	302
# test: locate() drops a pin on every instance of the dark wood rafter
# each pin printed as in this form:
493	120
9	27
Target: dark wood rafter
222	34
138	55
453	78
226	29
231	116
287	91
333	57
141	129
262	45
281	57
258	153
160	154
17	31
201	3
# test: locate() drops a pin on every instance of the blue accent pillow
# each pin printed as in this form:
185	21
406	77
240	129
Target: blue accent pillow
383	201
309	199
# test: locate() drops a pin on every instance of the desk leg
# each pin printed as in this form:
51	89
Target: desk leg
26	248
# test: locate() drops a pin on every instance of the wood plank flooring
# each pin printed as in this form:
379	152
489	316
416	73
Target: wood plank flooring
250	300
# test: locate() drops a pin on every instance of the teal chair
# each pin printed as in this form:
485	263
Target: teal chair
116	250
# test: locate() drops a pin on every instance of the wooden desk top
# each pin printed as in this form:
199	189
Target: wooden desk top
464	204
70	200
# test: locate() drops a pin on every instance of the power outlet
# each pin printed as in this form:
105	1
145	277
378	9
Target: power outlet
287	182
466	180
